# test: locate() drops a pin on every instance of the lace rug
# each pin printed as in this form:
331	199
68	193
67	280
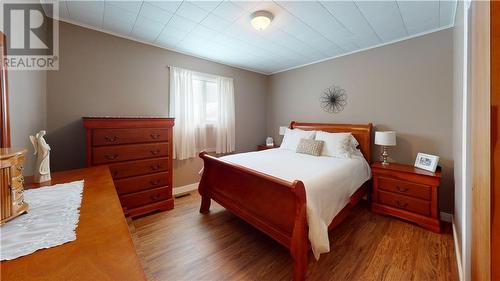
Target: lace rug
51	220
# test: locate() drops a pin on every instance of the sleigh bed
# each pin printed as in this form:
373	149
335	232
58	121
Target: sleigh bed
275	206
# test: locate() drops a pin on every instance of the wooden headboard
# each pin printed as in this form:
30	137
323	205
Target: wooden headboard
362	133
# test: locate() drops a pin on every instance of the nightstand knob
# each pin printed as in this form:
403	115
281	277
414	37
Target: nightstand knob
404	189
401	205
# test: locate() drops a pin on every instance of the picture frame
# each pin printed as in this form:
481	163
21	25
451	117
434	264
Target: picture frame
427	162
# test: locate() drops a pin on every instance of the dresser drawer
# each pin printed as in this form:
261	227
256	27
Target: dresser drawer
405	203
125	136
142	198
118	153
140	183
139	167
405	188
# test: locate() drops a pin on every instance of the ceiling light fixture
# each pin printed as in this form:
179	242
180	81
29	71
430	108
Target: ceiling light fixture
261	19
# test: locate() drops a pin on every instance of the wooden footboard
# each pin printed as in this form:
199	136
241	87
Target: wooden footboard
274	206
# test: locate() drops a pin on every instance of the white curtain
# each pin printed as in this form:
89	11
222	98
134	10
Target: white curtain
188	107
225	137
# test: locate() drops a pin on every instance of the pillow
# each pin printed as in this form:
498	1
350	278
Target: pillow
292	138
340	145
311	147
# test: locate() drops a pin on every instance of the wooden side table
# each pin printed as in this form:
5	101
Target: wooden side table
264	147
408	193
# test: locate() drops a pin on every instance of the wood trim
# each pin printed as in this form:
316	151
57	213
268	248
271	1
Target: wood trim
5	139
495	138
480	142
272	205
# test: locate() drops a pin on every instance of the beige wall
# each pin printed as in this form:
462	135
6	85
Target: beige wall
101	74
27	101
406	87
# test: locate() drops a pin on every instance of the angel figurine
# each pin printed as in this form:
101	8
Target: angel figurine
42	167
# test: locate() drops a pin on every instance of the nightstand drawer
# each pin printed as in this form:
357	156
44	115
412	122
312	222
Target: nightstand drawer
404	187
405	203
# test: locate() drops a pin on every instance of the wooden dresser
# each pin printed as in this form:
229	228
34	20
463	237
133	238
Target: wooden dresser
103	249
138	152
407	192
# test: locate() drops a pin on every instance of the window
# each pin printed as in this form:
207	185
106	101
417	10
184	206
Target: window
205	88
203	107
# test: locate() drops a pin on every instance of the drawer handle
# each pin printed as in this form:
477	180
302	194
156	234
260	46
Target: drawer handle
404	189
21	180
156	167
155	182
155	196
155	136
111	139
111	156
20	168
155	152
401	205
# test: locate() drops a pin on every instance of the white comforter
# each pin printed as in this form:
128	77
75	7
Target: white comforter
329	182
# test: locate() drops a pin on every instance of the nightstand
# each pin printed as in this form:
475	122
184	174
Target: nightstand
264	147
408	193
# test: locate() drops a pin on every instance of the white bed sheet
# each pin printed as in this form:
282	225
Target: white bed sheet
329	183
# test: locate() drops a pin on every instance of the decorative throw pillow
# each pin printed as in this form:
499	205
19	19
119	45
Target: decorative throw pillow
292	138
338	145
311	147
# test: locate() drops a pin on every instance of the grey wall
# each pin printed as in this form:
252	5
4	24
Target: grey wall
27	102
406	87
101	74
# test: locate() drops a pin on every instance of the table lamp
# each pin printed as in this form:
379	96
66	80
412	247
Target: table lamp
385	138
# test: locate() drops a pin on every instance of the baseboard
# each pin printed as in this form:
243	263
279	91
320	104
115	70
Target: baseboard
185	189
457	252
447	217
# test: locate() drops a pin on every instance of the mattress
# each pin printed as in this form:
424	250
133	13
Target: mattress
329	183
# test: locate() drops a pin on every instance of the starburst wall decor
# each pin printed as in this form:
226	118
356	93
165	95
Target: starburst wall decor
333	99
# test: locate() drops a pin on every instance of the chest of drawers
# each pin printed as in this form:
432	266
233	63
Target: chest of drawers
138	153
407	192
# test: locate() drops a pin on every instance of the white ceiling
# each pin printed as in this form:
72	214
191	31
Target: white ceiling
302	32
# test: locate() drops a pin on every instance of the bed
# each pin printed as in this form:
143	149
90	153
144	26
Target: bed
273	202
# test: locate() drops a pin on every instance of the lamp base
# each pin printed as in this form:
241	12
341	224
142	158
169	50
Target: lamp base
385	155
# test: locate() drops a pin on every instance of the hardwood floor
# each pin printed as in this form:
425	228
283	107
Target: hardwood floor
183	244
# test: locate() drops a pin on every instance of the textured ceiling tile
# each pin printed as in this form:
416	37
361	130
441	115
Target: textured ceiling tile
116	14
249	6
228	11
215	23
169	6
131	6
446	12
181	23
384	17
419	16
204	32
206	5
153	13
146	29
348	14
301	32
117	26
191	12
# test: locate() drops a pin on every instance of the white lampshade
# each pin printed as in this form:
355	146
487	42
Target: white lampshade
283	130
386	138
